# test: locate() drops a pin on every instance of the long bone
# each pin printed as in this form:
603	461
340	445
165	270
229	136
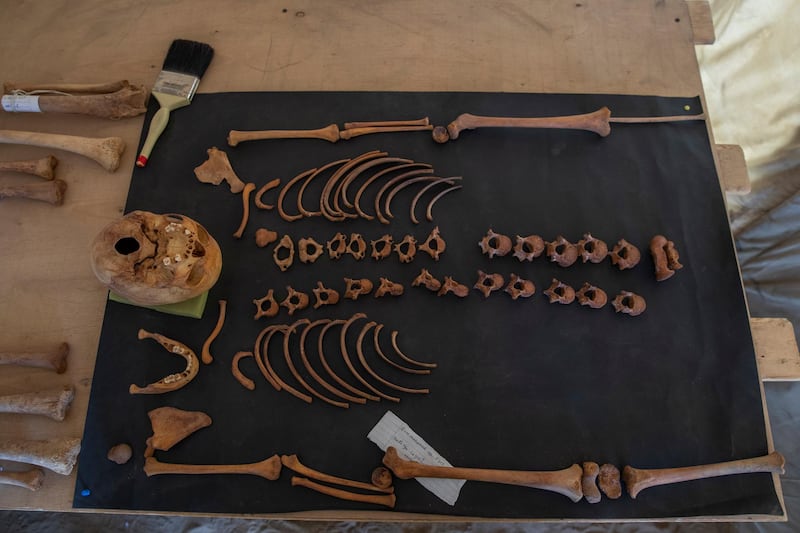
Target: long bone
598	122
387	500
330	371
419	169
105	151
636	480
566	481
54	358
329	133
29	479
288	356
421	192
123	102
44	167
377	343
269	468
387	123
173	381
349	363
293	463
356	132
371	372
51	192
324	205
51	403
308	180
79	88
304	357
58	455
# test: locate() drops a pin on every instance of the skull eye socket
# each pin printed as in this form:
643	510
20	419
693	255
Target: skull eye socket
126	245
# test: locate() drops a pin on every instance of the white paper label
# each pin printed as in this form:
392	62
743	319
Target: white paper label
392	431
21	103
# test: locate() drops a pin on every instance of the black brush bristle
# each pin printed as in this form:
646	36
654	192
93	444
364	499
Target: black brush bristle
188	57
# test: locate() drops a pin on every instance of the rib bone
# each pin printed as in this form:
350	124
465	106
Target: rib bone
58	455
566	481
637	479
105	151
53	358
43	167
51	403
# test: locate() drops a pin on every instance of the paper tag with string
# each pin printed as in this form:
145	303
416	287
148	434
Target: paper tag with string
16	103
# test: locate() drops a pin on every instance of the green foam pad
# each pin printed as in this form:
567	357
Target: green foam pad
193	307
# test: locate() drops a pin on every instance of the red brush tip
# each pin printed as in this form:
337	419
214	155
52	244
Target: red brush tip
141	161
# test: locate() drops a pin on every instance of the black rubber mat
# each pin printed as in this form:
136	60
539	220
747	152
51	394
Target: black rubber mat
520	384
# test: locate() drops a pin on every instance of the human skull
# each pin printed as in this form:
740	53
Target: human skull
153	259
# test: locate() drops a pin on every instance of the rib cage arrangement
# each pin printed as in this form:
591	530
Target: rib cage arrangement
339	392
340	200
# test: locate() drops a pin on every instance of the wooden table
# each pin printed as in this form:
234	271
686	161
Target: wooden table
49	293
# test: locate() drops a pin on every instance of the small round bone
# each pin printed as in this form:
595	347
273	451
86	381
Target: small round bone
265	237
29	479
105	151
58	454
609	481
268	468
293	463
589	482
44	167
382	477
387	500
120	453
566	482
52	403
51	192
636	480
329	133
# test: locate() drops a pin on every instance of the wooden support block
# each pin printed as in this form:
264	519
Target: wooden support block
776	349
702	24
732	168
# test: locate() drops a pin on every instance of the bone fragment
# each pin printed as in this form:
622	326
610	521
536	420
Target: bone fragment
58	455
51	403
566	481
217	168
105	151
387	500
51	192
128	101
328	133
293	463
636	480
120	454
589	482
356	132
29	479
54	358
171	425
268	468
44	167
387	123
609	481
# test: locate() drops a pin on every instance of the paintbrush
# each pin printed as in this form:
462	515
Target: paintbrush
185	64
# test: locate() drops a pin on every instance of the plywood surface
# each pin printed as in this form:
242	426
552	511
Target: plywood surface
47	287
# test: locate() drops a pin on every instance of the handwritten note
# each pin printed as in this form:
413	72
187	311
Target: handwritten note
392	431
